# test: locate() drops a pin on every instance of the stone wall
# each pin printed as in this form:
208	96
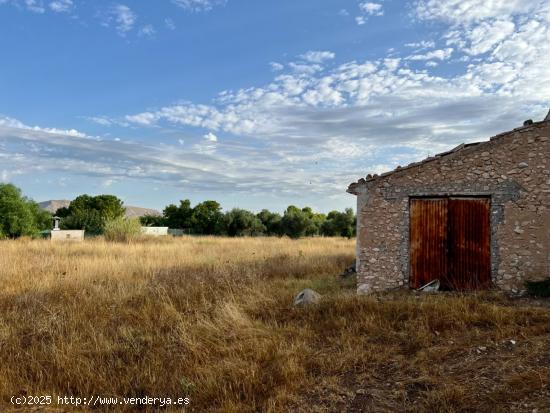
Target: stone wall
513	169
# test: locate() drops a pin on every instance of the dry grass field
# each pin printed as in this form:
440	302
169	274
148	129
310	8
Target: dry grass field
212	319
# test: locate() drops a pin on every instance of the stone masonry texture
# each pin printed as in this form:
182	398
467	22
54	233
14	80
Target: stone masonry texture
512	168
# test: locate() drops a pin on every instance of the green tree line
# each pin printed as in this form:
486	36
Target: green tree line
207	218
21	216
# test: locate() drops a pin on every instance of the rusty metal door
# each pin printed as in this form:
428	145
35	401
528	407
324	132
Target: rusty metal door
450	241
428	238
469	241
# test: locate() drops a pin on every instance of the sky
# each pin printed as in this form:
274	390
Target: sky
256	104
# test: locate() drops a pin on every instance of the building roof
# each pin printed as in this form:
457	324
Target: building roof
528	124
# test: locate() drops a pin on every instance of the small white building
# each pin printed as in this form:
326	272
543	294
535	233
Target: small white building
57	234
155	231
67	235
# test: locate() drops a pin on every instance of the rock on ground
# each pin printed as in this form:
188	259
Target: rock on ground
306	297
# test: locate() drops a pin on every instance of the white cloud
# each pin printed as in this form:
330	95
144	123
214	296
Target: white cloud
305	68
169	23
33	150
198	5
276	67
347	101
124	18
142	119
317	56
486	35
15	124
360	116
372	9
148	30
440	54
40	6
423	44
368	9
100	120
4	176
314	128
11	123
67	132
392	63
208	145
36	6
61	6
210	137
509	38
472	11
108	183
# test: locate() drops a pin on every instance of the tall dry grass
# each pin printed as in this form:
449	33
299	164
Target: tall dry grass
158	317
212	319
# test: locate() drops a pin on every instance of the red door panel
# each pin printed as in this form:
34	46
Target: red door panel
428	237
469	241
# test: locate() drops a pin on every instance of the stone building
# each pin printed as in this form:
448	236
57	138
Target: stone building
477	216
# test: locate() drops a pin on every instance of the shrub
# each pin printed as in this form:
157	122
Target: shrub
538	288
122	229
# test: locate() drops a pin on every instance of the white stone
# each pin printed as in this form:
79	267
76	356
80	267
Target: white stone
363	289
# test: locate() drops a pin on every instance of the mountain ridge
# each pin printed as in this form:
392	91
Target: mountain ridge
53	205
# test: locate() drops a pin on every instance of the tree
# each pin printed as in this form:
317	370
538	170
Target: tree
108	206
340	224
207	218
20	215
239	222
63	212
42	218
152	221
91	212
296	221
89	220
316	222
271	221
178	216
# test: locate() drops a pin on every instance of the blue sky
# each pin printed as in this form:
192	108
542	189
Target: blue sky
256	103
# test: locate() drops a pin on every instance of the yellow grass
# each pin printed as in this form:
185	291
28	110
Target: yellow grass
212	319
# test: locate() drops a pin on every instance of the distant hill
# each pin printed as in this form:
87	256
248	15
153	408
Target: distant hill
54	204
131	211
134	211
